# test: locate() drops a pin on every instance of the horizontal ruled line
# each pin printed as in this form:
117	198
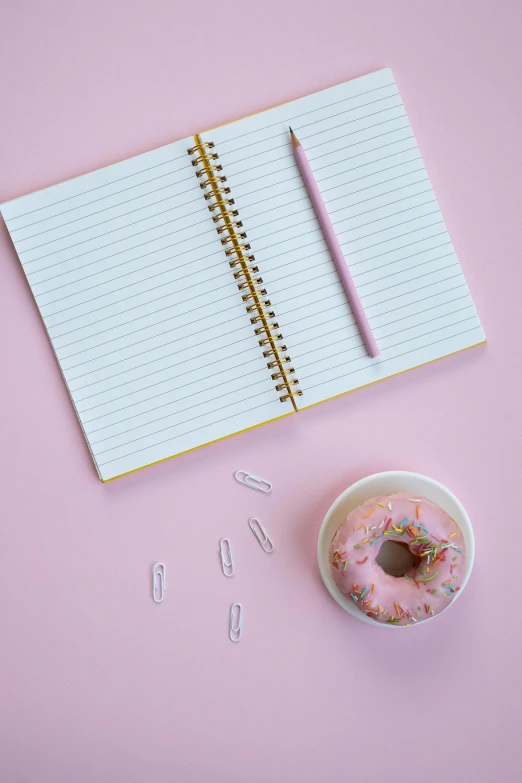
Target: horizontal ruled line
189	323
133	320
109	244
142	244
143	291
116	266
342	307
152	361
293	167
174	413
151	385
332	152
147	375
138	331
144	304
176	292
348	206
157	432
299	128
361	130
324	133
189	432
375	304
140	282
307	113
397	356
365	236
414	336
298	176
174	389
109	220
98	187
383	351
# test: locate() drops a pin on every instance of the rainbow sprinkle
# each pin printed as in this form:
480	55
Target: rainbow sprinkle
428	578
422	544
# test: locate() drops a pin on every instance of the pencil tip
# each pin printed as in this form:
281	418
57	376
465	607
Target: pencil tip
293	138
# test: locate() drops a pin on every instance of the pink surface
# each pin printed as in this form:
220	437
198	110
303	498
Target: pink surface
98	683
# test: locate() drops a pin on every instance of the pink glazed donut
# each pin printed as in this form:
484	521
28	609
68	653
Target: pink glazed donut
410	580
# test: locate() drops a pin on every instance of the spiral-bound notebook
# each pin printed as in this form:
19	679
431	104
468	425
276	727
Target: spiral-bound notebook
188	297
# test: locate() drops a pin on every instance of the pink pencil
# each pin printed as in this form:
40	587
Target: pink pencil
333	244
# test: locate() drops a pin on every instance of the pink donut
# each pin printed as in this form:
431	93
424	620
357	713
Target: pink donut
409	580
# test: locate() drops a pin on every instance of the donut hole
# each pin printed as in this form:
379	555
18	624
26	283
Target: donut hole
396	559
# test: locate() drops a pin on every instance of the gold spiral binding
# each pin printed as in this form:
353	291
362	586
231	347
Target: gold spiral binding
246	272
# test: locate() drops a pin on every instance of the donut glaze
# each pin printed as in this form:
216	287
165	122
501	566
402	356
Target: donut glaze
430	582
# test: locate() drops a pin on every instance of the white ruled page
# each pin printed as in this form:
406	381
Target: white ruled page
144	316
376	189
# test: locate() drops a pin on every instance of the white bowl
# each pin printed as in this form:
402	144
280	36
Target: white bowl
381	484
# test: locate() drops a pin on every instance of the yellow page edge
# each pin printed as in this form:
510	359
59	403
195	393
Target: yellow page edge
306	407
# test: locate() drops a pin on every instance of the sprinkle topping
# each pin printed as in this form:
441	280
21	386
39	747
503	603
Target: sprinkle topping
429	578
432	542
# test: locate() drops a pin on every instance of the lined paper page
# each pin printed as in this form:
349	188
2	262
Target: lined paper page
144	316
370	172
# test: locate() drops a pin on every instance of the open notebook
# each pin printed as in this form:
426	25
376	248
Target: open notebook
170	335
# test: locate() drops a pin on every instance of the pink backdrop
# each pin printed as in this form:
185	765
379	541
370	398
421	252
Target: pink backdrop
97	683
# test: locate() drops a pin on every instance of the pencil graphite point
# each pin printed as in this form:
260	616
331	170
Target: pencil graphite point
295	140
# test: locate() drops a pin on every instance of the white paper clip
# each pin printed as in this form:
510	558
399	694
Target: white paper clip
236	627
262	536
159	586
225	553
244	477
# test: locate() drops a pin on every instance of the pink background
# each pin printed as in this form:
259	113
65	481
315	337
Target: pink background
97	683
